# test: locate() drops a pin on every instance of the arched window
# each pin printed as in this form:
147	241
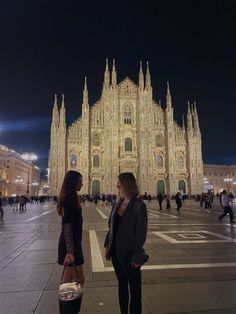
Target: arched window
128	144
73	161
96	161
180	162
96	139
159	161
159	140
127	115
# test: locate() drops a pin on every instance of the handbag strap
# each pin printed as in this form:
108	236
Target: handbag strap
63	272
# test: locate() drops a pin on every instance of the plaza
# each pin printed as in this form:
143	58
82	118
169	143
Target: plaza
191	269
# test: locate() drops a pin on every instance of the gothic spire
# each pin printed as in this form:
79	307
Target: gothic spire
62	112
107	76
114	75
141	77
148	78
55	114
168	97
183	123
85	93
189	118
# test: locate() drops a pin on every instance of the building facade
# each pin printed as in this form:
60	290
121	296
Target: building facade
220	177
17	176
126	130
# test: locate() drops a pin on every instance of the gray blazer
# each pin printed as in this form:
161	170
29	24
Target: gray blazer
131	234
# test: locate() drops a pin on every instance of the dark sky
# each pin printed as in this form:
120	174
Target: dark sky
48	47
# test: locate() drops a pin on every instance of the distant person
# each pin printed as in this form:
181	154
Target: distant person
160	200
1	209
22	202
168	201
178	200
226	204
124	243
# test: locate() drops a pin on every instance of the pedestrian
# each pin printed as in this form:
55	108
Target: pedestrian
160	200
226	204
16	202
22	202
70	253
1	209
168	201
178	200
124	243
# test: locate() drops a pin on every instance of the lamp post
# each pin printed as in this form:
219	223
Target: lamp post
30	157
35	185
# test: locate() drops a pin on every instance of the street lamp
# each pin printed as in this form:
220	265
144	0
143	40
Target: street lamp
30	157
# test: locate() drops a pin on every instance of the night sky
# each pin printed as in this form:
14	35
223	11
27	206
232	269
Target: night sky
48	47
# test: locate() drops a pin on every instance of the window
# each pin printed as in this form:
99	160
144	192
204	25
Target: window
159	162
159	140
180	162
127	115
96	139
96	161
128	145
73	161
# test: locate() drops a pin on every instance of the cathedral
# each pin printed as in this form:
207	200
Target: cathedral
126	130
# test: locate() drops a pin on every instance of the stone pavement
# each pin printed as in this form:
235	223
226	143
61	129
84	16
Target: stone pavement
192	265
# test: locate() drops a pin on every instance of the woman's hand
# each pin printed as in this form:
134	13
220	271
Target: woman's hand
135	265
107	255
69	259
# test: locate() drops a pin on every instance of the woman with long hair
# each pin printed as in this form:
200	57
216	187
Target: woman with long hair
124	243
70	253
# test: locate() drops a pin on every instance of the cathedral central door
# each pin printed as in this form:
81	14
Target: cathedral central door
95	187
160	187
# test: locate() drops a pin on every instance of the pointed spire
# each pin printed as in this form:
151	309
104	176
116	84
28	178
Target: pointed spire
62	112
183	123
85	93
141	77
195	117
107	76
189	118
168	97
148	78
55	114
114	75
189	107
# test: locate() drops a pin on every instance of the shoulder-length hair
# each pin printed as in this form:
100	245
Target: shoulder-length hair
129	183
68	188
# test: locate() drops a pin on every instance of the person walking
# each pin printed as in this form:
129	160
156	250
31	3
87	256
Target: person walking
226	204
1	209
22	203
160	200
70	253
168	201
178	200
124	243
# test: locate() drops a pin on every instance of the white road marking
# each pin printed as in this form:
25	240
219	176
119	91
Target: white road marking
101	213
35	217
160	214
180	266
220	237
96	256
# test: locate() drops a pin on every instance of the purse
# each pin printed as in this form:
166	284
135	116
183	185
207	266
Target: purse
69	291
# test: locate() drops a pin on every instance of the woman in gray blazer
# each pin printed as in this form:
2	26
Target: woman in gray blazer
124	243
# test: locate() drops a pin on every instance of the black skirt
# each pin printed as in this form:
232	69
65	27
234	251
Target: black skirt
78	252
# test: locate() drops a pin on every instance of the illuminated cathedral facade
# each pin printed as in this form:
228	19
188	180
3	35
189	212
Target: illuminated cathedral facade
126	130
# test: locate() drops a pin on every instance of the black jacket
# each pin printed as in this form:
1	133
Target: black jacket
131	234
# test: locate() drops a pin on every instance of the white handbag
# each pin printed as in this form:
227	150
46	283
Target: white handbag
69	291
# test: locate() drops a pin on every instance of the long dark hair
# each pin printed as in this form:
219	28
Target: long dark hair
68	188
128	181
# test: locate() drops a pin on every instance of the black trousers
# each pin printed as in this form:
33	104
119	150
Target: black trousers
227	209
167	205
160	204
129	288
1	213
179	205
